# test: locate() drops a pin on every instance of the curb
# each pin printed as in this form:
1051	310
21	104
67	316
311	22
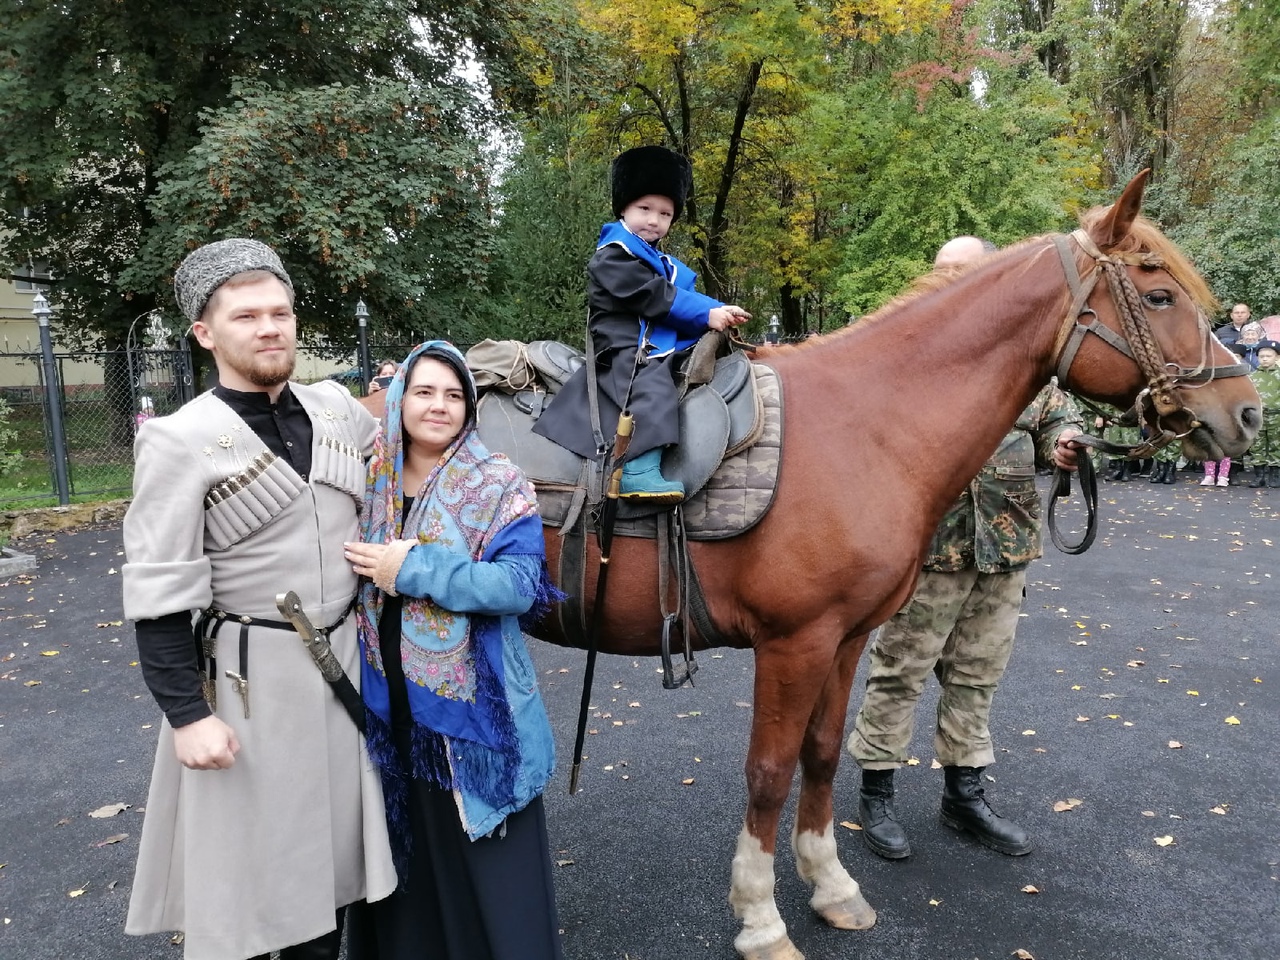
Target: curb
13	563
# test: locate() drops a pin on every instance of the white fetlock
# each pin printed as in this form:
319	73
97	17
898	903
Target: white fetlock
763	933
837	898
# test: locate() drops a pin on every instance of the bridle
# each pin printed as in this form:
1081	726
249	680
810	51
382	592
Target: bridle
1159	399
1156	402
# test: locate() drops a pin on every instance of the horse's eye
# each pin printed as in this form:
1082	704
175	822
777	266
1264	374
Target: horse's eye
1158	298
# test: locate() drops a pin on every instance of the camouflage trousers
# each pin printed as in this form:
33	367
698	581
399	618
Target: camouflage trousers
960	626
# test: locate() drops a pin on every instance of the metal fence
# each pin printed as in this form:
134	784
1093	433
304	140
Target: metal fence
103	395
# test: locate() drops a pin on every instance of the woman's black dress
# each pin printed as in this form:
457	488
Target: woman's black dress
488	899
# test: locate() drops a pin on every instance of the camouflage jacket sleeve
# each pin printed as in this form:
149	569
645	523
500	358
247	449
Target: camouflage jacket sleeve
995	524
1267	383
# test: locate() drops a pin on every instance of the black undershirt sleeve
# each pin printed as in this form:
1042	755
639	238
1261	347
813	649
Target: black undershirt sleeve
166	653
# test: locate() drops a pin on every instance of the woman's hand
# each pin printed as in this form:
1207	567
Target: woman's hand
364	557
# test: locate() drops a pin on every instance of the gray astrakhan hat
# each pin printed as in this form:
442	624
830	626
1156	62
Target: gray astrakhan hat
207	268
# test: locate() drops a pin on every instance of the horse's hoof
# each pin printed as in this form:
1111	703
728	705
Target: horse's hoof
852	914
782	949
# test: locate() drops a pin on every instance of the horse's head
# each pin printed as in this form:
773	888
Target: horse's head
1153	345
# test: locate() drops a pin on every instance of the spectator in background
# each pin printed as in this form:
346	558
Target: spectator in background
1251	336
1265	452
1229	333
386	370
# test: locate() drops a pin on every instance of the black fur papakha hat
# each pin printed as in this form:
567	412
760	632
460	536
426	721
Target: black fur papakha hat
641	171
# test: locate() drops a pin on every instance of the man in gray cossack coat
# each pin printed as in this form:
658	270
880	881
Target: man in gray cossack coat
264	817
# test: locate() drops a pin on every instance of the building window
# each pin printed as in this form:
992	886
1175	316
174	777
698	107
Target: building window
31	277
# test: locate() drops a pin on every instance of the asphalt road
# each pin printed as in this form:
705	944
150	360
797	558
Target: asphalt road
1164	633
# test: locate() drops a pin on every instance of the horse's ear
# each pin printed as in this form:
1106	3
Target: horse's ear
1114	226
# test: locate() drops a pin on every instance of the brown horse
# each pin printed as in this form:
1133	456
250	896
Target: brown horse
885	423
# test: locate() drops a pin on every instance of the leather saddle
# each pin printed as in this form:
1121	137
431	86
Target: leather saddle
720	412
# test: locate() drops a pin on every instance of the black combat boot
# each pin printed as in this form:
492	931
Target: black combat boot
1157	473
880	827
1273	476
965	808
1170	472
1115	470
1259	477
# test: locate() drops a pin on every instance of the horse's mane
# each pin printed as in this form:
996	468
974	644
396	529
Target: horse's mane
1143	237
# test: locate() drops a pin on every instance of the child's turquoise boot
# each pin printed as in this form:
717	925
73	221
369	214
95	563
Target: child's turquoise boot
642	479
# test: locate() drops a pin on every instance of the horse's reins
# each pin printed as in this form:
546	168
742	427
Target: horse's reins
1155	402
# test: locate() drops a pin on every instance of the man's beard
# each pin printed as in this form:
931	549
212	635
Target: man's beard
270	373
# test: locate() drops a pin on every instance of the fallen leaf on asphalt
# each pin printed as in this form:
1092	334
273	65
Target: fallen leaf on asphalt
934	764
1028	733
1077	687
1023	954
1174	745
687	781
75	893
1082	719
177	938
913	761
934	903
1148	813
1062	806
112	623
1136	663
850	825
1193	693
1219	810
564	863
1164	841
49	653
1162	679
114	838
110	810
1030	889
1233	721
33	683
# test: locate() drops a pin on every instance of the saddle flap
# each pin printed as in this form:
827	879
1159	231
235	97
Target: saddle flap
704	437
505	427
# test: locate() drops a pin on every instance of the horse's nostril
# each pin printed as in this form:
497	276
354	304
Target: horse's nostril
1251	416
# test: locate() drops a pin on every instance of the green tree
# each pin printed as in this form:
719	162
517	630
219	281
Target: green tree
125	121
1234	239
959	140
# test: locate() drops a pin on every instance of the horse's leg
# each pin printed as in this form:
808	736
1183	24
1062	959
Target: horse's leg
788	675
836	895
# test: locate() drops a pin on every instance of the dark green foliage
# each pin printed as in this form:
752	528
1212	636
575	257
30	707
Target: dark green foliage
133	128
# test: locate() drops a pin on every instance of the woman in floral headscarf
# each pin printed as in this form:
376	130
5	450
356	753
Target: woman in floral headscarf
452	546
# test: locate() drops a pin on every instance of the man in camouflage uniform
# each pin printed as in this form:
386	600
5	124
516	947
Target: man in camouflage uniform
960	625
1265	452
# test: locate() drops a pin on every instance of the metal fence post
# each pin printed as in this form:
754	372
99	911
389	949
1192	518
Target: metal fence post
53	398
366	368
185	372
